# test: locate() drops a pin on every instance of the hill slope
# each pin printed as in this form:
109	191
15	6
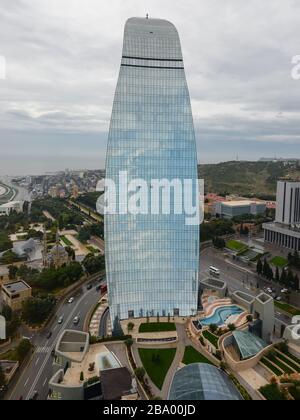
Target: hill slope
246	178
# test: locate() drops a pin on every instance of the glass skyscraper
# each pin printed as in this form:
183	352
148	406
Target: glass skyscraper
152	260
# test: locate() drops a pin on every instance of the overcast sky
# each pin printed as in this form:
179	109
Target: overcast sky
62	62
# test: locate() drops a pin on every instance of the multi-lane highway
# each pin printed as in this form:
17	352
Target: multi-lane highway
37	374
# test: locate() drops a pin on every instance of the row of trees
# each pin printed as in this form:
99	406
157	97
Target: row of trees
93	264
36	310
216	228
50	278
286	278
87	231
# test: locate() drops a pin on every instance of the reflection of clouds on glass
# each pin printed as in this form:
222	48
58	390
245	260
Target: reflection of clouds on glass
2	68
296	328
2	328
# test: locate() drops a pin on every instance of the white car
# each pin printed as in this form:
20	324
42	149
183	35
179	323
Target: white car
71	300
279	299
285	291
60	320
269	290
76	320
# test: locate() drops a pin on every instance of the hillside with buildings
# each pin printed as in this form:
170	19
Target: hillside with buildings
247	178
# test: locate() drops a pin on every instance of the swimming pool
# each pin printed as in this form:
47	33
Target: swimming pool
221	315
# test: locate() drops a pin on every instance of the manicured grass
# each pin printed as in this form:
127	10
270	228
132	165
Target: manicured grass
157	327
66	241
280	365
213	339
191	355
291	356
287	308
279	262
272	393
291	364
235	245
276	371
157	363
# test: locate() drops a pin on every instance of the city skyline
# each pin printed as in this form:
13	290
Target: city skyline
245	101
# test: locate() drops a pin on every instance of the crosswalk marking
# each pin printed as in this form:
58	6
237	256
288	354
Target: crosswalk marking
43	349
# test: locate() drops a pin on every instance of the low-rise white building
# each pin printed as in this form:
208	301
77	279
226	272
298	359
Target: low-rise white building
7	208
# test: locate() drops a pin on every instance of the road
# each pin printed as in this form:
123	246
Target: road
237	277
37	374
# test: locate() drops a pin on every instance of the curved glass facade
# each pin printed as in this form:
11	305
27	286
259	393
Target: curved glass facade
200	381
152	259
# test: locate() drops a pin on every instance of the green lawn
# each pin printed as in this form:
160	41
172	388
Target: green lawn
290	363
235	245
157	363
157	327
191	355
279	262
66	241
292	310
266	362
213	339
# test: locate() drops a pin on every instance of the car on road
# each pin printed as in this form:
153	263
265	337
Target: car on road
60	320
49	335
76	320
71	300
35	395
89	287
53	352
285	291
98	288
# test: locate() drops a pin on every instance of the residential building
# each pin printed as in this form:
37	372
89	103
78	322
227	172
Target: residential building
152	260
15	293
285	230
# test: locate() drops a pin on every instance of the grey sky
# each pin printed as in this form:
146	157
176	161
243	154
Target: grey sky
63	60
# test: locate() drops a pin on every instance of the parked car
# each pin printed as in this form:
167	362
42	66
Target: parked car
278	299
35	395
285	291
89	287
76	320
60	320
269	290
71	300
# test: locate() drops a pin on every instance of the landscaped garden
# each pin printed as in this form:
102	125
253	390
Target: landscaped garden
212	338
150	327
191	355
157	363
279	262
236	246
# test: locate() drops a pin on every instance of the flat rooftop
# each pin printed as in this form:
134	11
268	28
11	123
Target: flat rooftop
16	287
242	203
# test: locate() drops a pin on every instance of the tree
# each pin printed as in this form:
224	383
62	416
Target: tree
36	310
93	264
213	328
283	278
81	377
231	327
12	269
140	373
23	349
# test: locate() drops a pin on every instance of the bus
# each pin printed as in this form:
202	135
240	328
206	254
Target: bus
214	271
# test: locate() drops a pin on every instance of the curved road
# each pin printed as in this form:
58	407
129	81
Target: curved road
37	374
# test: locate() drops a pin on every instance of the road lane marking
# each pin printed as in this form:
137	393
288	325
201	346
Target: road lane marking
46	380
39	373
37	361
27	380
